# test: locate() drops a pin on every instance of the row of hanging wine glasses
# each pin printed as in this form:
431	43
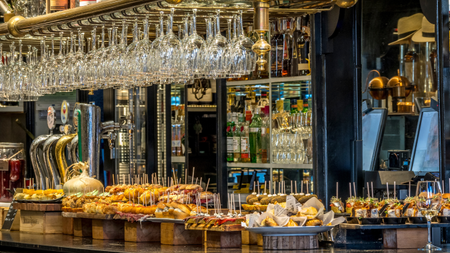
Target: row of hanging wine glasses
169	58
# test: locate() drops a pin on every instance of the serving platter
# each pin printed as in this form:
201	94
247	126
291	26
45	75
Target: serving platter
290	231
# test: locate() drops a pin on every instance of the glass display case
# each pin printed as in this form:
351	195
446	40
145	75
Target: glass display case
269	134
12	169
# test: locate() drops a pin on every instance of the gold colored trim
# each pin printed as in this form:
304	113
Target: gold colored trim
23	26
12	29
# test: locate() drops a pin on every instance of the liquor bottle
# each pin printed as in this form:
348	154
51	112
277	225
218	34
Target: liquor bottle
230	125
294	48
279	55
255	138
265	140
303	48
300	105
294	109
305	106
287	105
245	141
263	102
273	50
237	139
286	68
276	44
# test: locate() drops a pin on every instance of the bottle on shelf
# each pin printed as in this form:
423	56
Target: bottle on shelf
237	139
294	47
300	105
286	68
305	106
263	102
230	125
303	48
279	55
265	139
287	105
273	50
255	137
245	140
294	109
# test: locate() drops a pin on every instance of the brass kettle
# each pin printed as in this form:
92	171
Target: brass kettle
400	87
378	87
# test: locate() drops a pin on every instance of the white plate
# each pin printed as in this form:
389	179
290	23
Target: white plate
290	231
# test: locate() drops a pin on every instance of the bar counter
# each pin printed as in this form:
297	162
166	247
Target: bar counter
13	241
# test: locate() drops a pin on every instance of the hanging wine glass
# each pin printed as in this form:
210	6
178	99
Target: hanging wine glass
429	194
193	49
155	63
78	68
169	51
245	44
143	54
131	60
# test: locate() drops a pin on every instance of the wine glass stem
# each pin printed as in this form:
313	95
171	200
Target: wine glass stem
429	230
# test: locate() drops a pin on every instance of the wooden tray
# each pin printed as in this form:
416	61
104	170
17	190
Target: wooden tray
49	207
88	216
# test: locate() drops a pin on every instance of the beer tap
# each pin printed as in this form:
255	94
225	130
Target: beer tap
50	161
37	161
36	153
64	141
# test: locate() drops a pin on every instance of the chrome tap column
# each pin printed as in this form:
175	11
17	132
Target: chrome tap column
89	141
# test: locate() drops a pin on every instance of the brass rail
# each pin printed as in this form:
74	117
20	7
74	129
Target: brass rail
23	26
113	9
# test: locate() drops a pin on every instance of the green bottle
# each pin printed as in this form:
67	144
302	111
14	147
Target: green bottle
255	137
305	107
294	109
230	125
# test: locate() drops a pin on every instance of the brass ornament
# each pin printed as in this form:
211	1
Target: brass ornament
261	24
12	26
378	88
400	87
261	47
346	3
